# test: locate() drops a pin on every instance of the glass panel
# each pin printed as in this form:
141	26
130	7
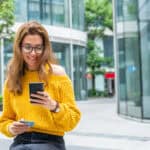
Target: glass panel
46	12
129	79
108	48
20	15
133	76
126	10
79	72
119	5
62	53
145	53
122	78
67	23
78	14
7	52
34	10
144	10
130	11
58	12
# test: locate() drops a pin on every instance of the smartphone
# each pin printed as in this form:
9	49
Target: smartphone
34	87
28	123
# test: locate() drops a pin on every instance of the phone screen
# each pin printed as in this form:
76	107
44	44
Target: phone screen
34	87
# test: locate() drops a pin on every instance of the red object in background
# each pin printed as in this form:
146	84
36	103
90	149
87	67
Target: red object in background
109	75
88	76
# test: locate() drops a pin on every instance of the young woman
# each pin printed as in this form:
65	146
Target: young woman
52	112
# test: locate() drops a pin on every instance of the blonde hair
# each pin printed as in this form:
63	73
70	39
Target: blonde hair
16	67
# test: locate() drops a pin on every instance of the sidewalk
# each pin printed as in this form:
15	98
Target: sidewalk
101	128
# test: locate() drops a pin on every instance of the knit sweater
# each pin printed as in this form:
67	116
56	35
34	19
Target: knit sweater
16	107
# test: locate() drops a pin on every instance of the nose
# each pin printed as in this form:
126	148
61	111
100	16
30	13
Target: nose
33	52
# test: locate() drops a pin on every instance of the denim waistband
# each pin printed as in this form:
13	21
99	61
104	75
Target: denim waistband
39	137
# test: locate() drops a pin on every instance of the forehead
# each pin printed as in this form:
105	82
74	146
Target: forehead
32	39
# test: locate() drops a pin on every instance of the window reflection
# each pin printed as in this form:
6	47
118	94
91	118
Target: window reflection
58	12
77	14
34	10
62	53
79	57
51	12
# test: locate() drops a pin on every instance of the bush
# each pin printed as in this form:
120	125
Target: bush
96	93
1	98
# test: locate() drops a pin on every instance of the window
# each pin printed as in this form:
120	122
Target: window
34	10
58	12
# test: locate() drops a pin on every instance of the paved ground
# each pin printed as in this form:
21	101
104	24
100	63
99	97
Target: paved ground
102	129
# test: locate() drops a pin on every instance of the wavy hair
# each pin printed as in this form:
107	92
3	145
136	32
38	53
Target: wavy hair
16	66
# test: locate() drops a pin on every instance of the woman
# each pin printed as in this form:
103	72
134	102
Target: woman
52	112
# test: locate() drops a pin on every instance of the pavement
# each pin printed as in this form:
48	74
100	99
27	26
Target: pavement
101	128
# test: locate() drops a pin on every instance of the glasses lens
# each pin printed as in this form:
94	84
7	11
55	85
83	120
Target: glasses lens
38	49
28	48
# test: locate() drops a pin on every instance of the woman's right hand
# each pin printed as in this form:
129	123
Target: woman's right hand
17	128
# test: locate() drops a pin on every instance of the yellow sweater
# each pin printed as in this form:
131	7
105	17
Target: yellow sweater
16	107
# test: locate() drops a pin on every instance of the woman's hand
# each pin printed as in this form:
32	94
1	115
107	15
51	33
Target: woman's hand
42	98
17	128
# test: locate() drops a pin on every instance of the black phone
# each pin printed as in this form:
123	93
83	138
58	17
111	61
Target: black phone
34	87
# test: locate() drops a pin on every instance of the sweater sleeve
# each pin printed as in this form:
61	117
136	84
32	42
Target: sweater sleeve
69	115
8	115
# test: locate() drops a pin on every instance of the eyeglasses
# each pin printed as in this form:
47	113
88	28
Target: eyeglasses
27	48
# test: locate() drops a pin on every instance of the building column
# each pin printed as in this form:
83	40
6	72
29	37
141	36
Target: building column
115	53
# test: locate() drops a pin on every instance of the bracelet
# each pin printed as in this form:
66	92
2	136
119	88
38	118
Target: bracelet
56	109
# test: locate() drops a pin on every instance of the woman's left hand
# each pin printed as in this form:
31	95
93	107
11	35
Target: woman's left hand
43	98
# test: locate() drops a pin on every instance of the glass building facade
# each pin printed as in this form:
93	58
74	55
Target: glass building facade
64	21
132	52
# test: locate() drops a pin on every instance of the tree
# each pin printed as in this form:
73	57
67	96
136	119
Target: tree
98	18
95	63
6	17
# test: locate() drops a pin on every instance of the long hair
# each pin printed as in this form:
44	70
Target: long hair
16	66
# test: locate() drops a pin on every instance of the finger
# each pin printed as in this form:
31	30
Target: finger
37	101
41	92
16	130
45	94
19	129
19	124
38	96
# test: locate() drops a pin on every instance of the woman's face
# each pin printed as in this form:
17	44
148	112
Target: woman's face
32	50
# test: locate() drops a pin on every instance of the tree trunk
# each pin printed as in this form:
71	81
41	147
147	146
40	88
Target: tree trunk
93	78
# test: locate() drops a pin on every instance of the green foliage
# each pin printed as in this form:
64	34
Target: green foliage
98	13
1	98
98	18
90	44
95	59
96	93
6	16
131	7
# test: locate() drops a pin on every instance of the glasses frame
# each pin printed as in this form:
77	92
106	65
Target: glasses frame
31	48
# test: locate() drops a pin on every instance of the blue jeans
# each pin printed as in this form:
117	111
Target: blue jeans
38	141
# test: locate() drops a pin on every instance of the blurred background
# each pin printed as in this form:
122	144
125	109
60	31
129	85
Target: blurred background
81	36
